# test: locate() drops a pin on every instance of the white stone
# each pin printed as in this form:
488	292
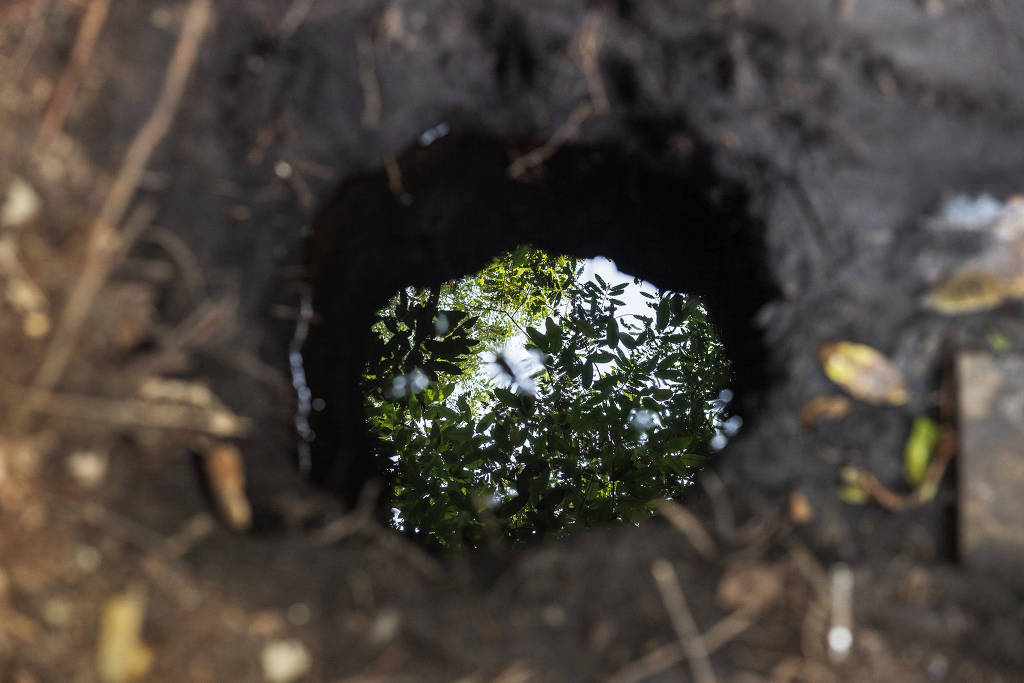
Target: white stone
20	203
88	468
285	661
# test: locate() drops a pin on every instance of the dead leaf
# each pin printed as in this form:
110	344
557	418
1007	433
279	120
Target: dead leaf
800	509
863	372
824	407
122	656
994	276
225	473
967	292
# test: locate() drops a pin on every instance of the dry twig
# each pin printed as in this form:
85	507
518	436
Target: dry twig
354	522
30	38
361	521
104	240
293	18
394	173
816	616
179	252
685	521
20	627
588	48
721	508
158	561
690	640
411	554
924	492
563	134
206	321
369	81
81	54
193	531
215	421
670	654
801	669
249	364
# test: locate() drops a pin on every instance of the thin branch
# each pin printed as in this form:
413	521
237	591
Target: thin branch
588	49
562	135
514	322
668	655
293	18
181	254
922	494
104	239
81	54
682	621
352	523
725	517
499	311
30	38
215	421
685	521
369	81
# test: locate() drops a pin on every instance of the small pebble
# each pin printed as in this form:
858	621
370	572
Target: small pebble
385	626
285	661
283	170
88	468
161	18
20	203
88	558
57	612
553	615
840	640
299	614
938	668
24	295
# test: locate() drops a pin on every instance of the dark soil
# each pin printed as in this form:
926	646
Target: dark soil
781	159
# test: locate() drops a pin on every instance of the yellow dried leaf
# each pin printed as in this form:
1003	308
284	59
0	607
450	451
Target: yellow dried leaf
122	656
967	292
919	450
824	408
863	372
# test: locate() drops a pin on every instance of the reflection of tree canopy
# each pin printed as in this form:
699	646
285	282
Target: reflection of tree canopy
617	414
